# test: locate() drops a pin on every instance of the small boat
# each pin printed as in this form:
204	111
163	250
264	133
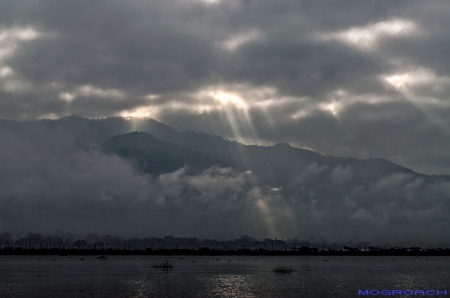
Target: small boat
283	270
101	257
165	265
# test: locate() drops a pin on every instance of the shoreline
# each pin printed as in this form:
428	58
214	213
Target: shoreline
211	252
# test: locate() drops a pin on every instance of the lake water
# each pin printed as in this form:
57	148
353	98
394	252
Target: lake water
224	276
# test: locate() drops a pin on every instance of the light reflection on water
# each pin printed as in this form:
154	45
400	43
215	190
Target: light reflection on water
233	286
216	276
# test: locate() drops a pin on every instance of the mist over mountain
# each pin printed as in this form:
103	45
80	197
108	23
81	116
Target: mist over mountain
153	156
139	177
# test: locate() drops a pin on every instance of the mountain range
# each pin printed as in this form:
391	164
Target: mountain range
163	149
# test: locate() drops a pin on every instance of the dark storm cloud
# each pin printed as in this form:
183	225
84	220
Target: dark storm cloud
167	46
102	58
147	46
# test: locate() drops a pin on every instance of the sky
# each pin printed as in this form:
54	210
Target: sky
346	78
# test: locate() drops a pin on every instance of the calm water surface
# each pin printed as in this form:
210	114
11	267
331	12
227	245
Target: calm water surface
224	276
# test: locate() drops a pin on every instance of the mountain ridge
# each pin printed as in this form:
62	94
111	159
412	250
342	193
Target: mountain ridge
218	148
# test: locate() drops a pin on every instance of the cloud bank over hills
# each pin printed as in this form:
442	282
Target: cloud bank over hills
98	175
347	78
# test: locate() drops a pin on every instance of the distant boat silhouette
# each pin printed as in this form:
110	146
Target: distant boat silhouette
283	270
165	265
